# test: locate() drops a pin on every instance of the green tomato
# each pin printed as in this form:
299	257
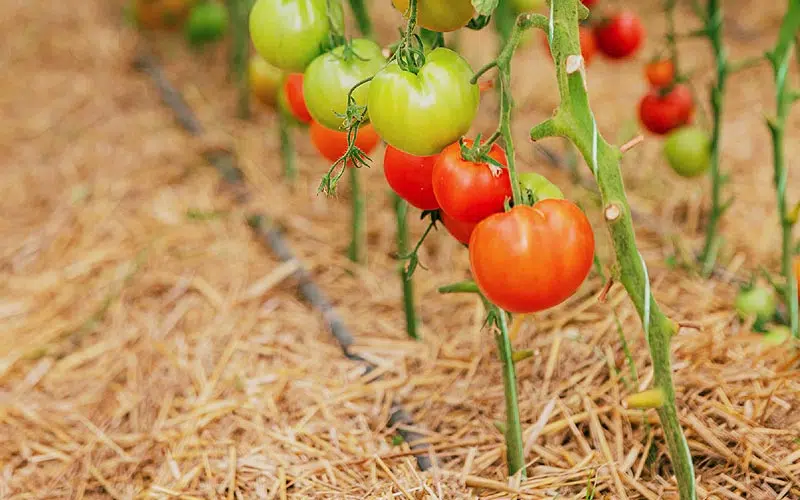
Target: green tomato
207	23
289	34
777	335
688	151
421	114
329	78
539	187
439	15
527	5
756	301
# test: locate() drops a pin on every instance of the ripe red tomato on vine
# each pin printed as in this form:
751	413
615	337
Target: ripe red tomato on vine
589	3
411	177
470	191
620	36
532	258
293	89
663	110
459	230
332	144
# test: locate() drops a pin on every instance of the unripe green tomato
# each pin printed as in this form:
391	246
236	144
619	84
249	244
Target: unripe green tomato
289	34
539	187
688	151
777	335
265	80
758	302
527	5
439	15
421	114
207	23
329	78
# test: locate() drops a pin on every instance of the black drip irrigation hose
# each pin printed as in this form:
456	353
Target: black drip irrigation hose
269	235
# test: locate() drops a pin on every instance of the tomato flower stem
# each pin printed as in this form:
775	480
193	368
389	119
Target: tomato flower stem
575	120
401	213
779	58
287	149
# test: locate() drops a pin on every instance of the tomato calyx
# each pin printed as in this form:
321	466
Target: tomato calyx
479	153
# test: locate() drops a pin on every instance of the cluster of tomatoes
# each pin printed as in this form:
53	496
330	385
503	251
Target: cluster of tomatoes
203	21
668	109
525	258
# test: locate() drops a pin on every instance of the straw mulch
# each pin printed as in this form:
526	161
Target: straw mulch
151	347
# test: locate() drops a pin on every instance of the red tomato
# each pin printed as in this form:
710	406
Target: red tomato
332	144
589	3
461	231
411	177
588	44
469	191
660	73
293	87
661	111
620	36
532	258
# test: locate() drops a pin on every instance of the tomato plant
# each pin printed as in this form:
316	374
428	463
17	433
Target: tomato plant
411	177
293	88
459	230
527	5
470	191
532	258
332	144
588	44
620	36
660	73
663	110
161	14
329	78
207	22
756	302
440	15
265	80
421	114
688	151
289	34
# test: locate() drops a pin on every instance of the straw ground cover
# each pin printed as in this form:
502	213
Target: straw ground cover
152	347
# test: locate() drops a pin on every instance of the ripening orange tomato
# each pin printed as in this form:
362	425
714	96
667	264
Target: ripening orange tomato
161	14
332	144
660	73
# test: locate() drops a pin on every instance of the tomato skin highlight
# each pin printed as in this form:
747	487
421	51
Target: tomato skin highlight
461	231
411	177
469	191
293	88
620	36
661	111
289	34
660	73
423	113
532	258
439	15
329	78
332	144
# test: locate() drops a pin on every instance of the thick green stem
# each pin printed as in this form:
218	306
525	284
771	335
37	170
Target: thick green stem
713	30
779	58
359	217
239	11
287	149
574	119
362	17
401	211
504	20
513	428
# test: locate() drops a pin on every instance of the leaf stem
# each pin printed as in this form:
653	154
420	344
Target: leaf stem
401	212
574	119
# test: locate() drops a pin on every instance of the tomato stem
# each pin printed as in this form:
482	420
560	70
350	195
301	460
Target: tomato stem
359	215
361	14
287	151
336	31
671	38
468	286
779	58
239	11
513	428
401	213
575	120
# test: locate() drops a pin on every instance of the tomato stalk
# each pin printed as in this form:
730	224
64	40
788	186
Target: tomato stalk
240	47
513	428
401	212
361	14
287	150
779	58
575	120
355	251
670	36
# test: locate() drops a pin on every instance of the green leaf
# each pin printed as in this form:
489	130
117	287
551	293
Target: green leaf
485	7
